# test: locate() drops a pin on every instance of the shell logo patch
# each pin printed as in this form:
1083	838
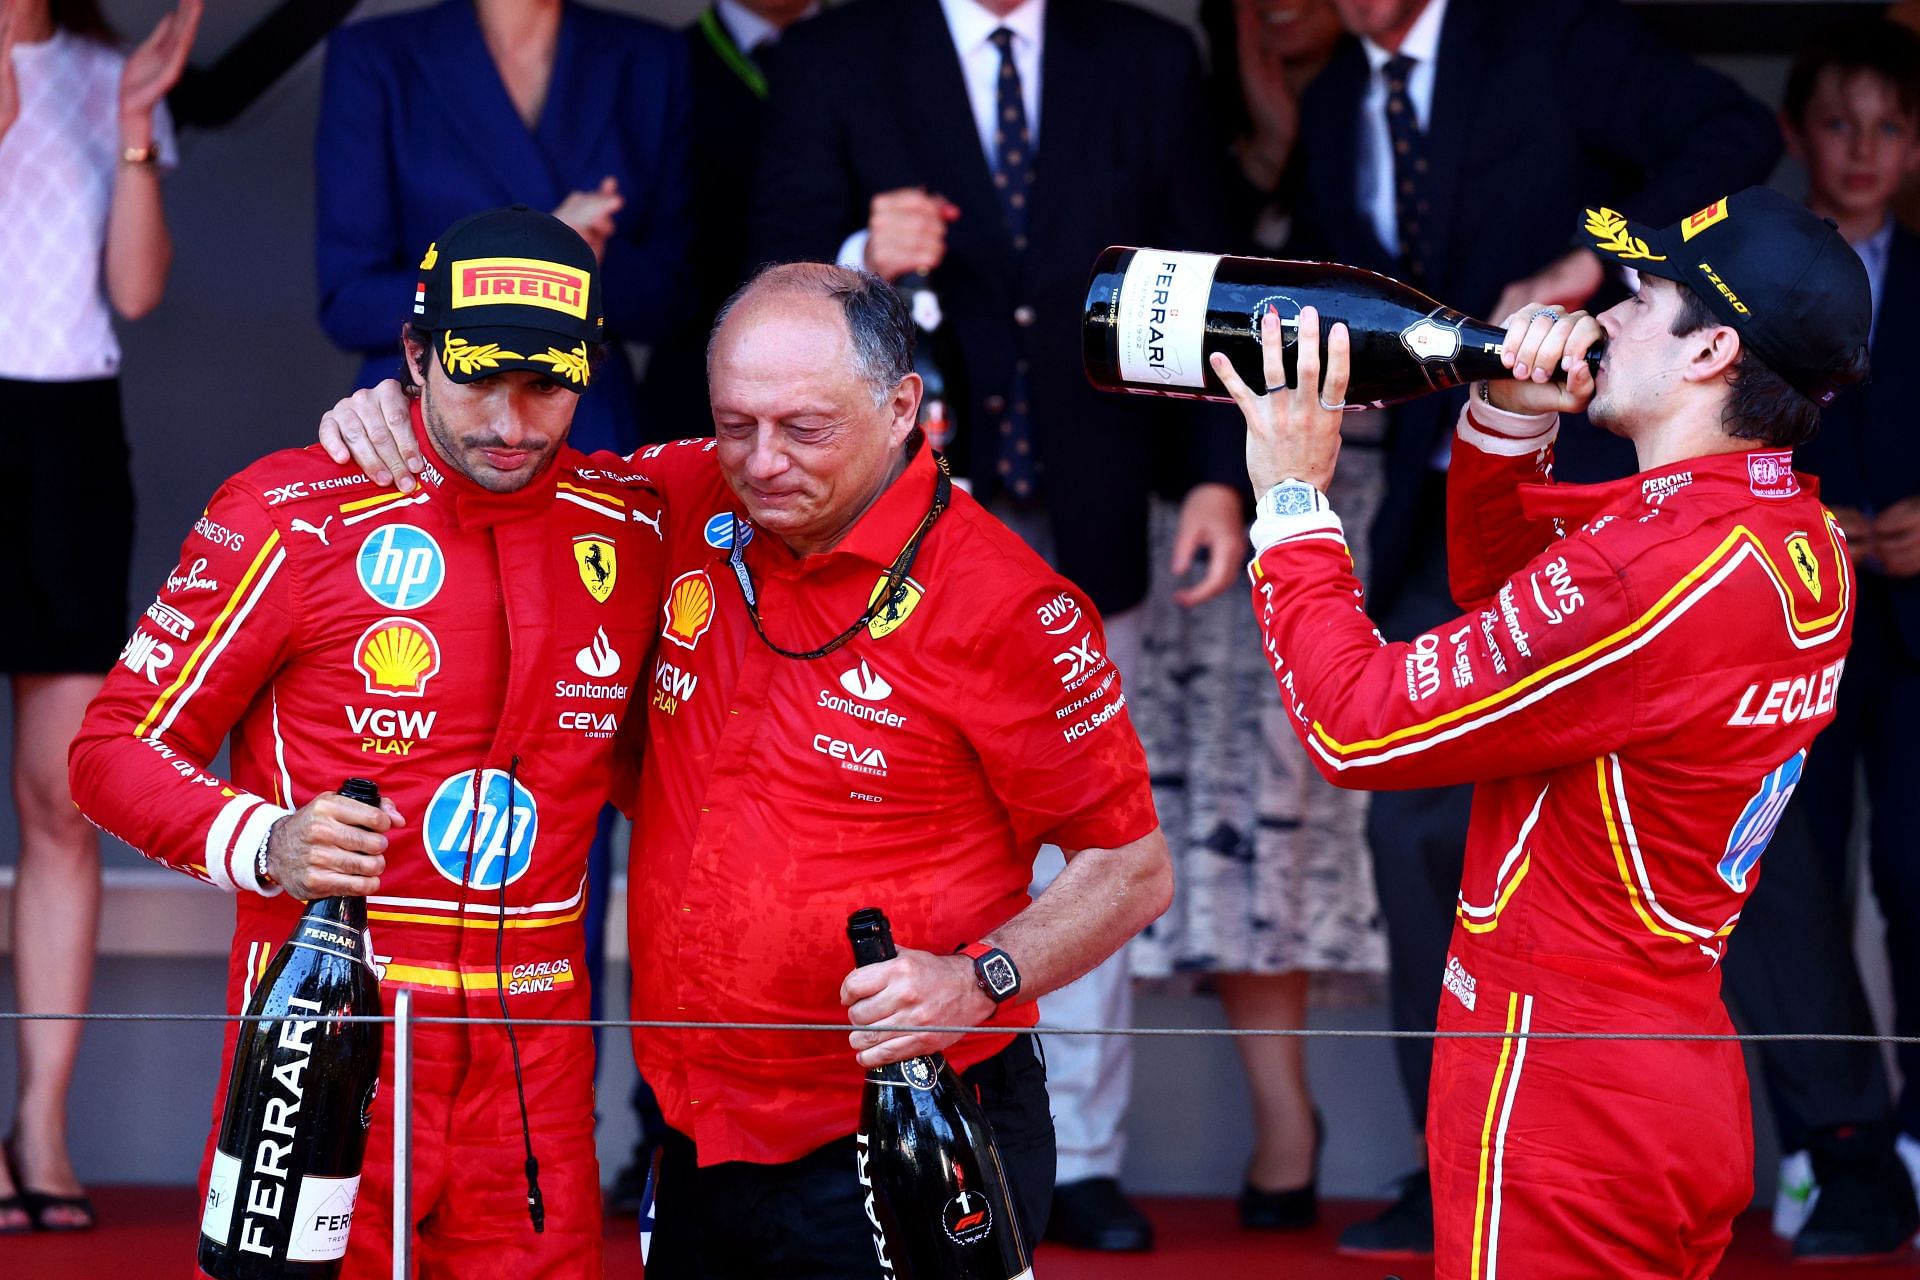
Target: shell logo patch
1800	551
689	609
599	566
893	614
397	656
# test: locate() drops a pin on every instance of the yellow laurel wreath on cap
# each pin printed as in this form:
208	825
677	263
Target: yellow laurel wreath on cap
1610	230
463	357
571	365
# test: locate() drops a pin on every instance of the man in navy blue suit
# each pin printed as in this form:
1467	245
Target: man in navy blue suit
1410	164
996	147
726	45
429	114
1852	116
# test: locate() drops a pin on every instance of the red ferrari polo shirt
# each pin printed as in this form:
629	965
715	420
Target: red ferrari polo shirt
916	769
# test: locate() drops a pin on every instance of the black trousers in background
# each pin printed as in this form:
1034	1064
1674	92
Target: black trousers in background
1418	839
806	1220
1790	963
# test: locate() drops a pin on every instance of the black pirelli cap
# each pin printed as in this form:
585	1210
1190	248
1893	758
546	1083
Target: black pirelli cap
508	289
1779	275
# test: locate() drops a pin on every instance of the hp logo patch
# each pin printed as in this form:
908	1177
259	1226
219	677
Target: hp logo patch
401	566
720	531
1749	837
454	824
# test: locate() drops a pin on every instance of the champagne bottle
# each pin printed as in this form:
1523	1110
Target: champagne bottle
1153	318
286	1166
937	1198
937	359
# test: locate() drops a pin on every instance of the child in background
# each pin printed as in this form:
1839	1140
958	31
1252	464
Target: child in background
1851	116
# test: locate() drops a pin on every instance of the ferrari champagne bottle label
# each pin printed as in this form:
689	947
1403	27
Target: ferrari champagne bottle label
1162	317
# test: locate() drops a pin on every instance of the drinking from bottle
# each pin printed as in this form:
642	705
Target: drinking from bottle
936	1195
1153	318
286	1168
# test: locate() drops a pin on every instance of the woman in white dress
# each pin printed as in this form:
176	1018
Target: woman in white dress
83	235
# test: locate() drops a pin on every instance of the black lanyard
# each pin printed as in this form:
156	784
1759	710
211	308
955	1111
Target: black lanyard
892	590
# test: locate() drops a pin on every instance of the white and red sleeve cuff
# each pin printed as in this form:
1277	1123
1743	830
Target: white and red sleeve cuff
234	840
1504	434
1270	530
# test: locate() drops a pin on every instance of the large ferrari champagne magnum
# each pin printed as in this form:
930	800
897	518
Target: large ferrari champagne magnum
937	359
1154	317
936	1196
286	1167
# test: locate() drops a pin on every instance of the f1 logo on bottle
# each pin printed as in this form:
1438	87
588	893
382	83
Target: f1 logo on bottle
456	823
401	566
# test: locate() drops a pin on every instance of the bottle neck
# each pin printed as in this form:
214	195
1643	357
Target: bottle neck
871	936
350	913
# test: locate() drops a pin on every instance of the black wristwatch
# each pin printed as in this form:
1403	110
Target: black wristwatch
995	971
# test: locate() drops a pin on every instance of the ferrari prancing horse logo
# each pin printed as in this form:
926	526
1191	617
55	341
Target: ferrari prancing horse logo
598	566
1800	551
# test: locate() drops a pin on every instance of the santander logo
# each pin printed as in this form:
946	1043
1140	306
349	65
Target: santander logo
863	683
598	660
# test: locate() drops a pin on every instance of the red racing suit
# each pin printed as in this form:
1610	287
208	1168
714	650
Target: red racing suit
1634	686
460	648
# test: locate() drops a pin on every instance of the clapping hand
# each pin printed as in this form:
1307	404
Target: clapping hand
1273	112
9	85
1292	432
591	213
1896	538
153	69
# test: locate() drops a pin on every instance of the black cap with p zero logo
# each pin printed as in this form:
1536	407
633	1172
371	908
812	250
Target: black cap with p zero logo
1778	274
508	289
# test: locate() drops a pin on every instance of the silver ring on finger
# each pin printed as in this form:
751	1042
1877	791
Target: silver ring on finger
1547	313
1331	408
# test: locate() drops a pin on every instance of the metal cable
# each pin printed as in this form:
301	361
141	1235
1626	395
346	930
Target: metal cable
1304	1033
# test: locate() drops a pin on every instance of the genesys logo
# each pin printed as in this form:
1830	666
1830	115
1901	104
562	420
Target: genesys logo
858	759
219	534
598	660
1059	615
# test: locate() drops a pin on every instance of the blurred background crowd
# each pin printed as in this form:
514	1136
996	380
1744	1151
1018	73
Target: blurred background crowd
208	229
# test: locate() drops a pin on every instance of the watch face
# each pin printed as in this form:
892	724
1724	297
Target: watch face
1293	500
1000	975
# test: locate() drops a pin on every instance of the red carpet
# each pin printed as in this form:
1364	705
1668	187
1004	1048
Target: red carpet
144	1230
